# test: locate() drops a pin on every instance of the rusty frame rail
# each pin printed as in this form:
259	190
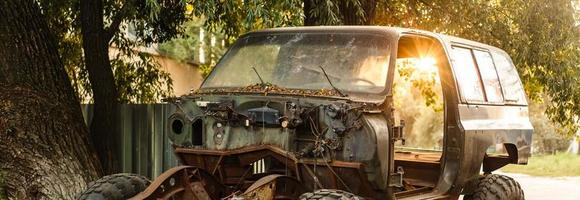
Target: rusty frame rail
225	173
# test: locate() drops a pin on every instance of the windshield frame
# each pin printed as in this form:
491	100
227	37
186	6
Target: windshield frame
390	37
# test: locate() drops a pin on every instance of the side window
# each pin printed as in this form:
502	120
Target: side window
510	81
489	76
467	74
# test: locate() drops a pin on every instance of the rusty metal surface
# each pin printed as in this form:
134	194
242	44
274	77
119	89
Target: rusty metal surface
198	191
352	175
420	169
262	182
265	192
183	182
275	187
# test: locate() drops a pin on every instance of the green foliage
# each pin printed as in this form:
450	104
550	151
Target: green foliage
329	12
138	77
205	69
540	36
186	48
548	138
561	164
155	21
135	79
237	17
234	18
425	82
418	100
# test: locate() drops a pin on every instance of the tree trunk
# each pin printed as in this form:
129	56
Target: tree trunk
44	147
347	12
574	147
349	16
104	124
309	19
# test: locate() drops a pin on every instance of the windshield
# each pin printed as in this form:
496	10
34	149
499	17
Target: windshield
354	62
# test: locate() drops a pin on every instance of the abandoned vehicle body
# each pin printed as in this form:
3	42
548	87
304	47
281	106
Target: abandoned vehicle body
313	112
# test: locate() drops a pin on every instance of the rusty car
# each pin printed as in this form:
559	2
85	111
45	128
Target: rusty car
346	112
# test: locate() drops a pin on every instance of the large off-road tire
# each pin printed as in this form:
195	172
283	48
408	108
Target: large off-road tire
496	187
327	194
115	187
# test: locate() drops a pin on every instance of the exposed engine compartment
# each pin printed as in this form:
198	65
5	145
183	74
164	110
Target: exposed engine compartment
338	137
304	129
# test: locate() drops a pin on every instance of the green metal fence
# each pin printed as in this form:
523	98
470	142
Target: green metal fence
145	147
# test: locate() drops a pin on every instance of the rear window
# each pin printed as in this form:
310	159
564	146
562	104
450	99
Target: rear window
467	74
509	78
489	76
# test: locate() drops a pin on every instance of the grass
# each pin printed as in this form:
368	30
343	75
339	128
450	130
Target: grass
560	164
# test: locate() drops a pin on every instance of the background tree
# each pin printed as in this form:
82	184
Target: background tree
86	30
44	145
236	17
342	12
129	69
196	45
96	40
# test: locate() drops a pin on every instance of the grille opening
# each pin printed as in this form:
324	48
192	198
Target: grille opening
269	165
259	166
177	126
197	135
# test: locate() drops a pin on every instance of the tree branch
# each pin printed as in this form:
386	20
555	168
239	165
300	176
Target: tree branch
117	19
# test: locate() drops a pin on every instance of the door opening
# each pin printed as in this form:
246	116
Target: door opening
419	104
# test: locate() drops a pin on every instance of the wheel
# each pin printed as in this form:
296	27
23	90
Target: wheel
496	187
115	187
327	194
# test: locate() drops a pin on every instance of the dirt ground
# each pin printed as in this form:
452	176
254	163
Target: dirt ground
561	188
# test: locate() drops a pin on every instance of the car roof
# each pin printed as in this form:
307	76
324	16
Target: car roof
377	29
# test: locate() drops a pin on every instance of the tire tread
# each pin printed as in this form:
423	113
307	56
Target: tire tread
329	194
115	187
496	187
